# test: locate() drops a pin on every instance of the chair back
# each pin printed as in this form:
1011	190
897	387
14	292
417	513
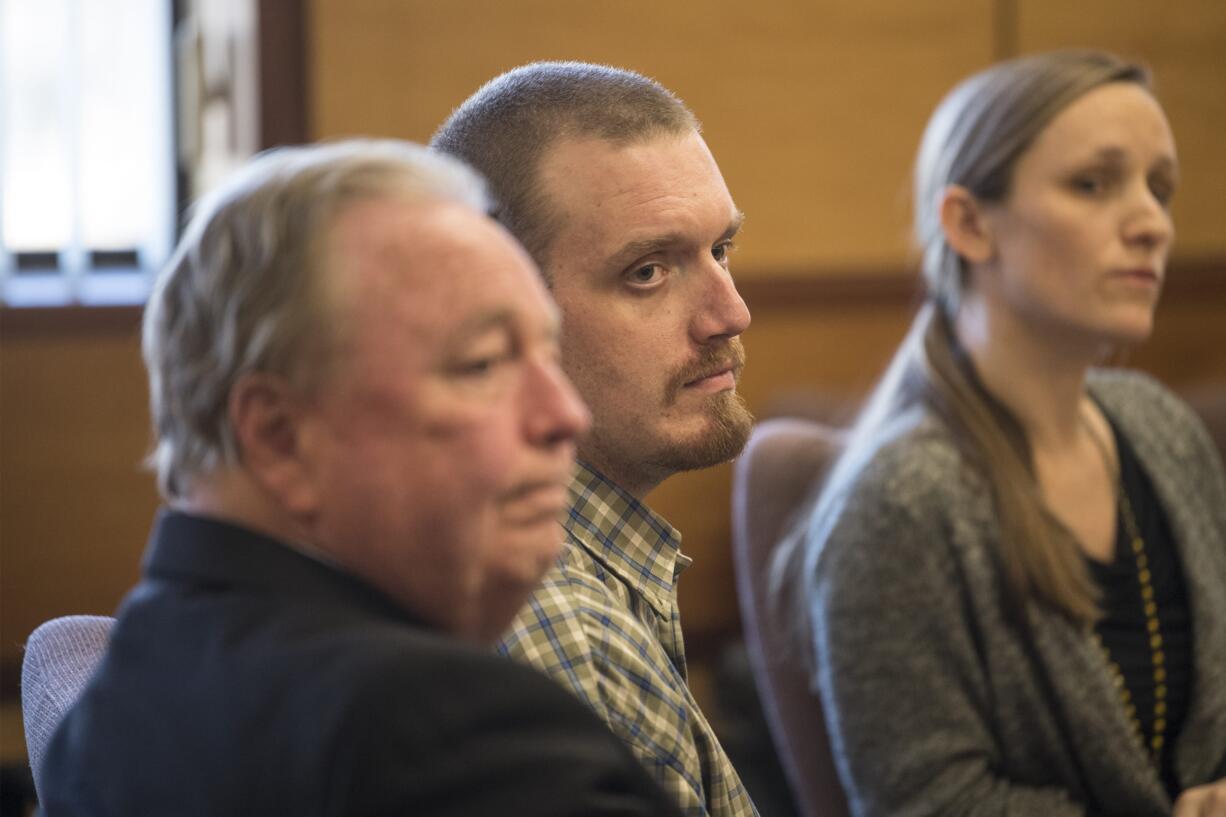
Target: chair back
60	659
780	466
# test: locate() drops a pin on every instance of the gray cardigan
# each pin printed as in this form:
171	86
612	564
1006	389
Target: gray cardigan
934	704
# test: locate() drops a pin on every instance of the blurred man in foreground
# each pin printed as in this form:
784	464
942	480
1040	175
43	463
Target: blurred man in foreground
364	439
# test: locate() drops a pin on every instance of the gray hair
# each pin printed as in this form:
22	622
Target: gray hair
504	129
242	292
979	130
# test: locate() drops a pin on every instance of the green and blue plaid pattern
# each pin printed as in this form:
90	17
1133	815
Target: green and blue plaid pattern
604	623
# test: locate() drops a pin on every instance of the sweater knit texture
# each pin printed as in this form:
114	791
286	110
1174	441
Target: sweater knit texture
936	703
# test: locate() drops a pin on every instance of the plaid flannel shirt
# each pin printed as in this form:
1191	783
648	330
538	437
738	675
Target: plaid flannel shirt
604	623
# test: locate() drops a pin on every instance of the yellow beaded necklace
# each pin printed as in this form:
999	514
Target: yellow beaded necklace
1153	625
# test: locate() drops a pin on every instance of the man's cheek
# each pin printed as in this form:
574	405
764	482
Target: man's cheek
489	455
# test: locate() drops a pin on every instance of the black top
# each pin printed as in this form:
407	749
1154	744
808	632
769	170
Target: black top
1123	626
243	678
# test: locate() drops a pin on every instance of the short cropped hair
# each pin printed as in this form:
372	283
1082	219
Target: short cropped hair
504	129
242	292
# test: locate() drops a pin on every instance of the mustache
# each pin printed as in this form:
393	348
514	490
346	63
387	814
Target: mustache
712	359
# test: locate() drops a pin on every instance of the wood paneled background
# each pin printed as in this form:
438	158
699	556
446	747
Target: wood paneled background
814	111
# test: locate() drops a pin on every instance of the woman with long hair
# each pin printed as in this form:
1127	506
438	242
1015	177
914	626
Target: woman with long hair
1013	580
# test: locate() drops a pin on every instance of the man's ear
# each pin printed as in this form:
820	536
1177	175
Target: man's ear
267	416
965	224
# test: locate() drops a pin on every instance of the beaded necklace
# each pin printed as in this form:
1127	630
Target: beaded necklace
1153	625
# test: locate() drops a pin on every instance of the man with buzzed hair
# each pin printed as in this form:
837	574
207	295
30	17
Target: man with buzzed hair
602	174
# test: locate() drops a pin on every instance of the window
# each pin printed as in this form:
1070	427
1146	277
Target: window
87	165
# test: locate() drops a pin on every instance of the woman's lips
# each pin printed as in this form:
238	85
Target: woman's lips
1139	276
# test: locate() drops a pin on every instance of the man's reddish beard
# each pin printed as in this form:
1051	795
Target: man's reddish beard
712	359
730	417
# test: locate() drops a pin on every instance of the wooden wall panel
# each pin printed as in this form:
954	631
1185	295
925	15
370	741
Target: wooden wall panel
75	506
1185	45
813	110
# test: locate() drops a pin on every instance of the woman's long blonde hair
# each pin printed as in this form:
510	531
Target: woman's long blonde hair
973	139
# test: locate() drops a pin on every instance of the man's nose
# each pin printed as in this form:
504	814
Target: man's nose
555	412
721	313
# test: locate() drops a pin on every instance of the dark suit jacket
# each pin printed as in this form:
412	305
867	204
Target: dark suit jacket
244	678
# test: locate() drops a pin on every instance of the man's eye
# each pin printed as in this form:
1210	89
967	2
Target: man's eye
646	275
475	368
1088	185
722	250
479	366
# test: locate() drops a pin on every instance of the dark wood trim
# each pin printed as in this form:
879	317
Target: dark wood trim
844	289
68	321
805	289
1196	277
1203	278
284	73
10	679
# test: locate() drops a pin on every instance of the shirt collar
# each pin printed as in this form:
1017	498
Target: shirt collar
195	549
629	538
